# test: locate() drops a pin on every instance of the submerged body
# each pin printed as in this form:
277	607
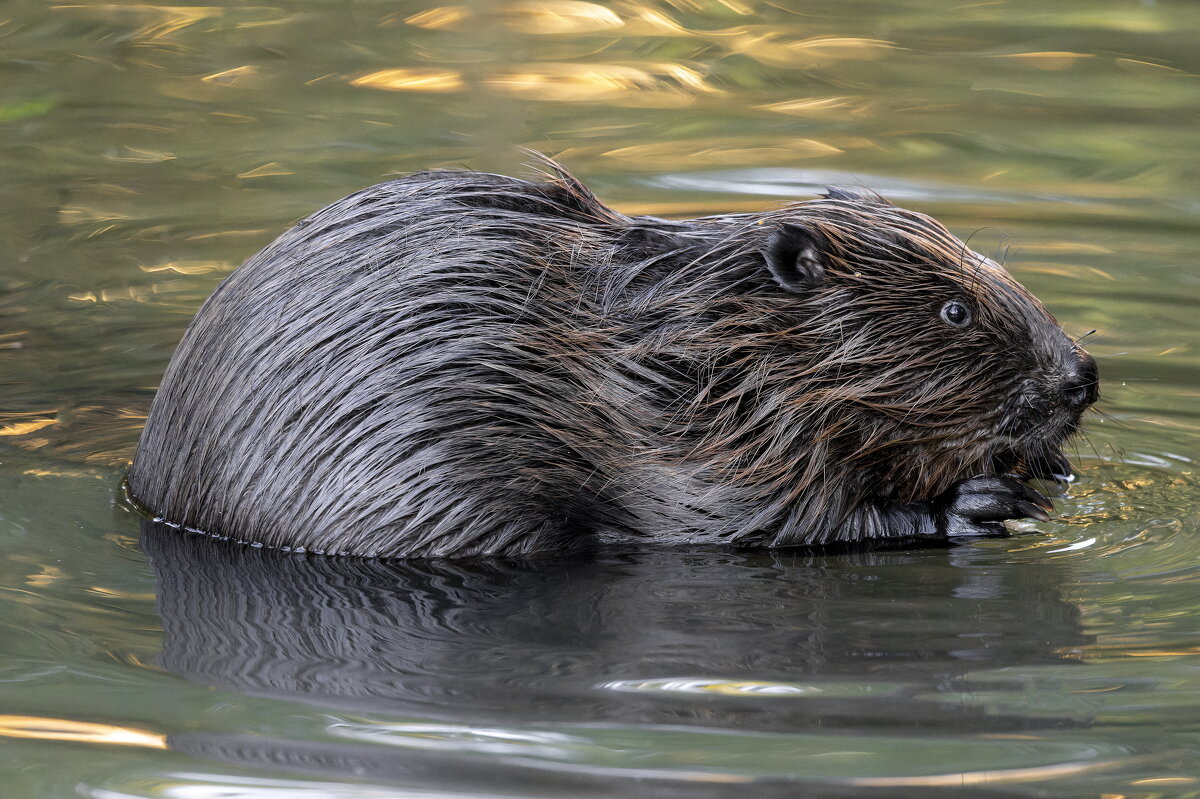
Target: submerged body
456	363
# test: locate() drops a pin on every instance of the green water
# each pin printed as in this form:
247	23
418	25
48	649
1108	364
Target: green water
146	150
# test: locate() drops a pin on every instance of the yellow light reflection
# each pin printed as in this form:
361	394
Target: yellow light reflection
690	210
1137	65
653	85
171	19
230	234
1072	271
560	16
1072	247
722	152
47	575
443	18
648	22
23	428
1049	61
738	8
230	77
811	106
572	82
688	77
190	267
47	729
125	294
271	169
76	475
411	80
808	53
115	593
80	215
1189	651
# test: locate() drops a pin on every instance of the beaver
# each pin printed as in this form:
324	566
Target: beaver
456	363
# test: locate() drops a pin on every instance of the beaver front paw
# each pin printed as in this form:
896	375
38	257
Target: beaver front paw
979	506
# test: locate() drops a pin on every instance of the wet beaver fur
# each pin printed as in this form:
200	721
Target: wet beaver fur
456	363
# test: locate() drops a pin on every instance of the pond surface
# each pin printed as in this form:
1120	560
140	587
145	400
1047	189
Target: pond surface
146	150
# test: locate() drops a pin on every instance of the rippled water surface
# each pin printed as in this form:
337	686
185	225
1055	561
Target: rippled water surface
146	150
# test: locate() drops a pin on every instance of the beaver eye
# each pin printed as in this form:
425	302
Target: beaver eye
956	314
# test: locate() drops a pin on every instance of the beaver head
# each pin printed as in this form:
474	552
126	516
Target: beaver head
878	355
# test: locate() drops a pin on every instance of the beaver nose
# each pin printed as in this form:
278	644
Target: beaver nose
1081	382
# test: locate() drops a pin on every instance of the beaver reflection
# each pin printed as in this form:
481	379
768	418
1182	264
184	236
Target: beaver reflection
581	640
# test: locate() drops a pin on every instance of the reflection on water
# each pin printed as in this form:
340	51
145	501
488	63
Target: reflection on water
571	667
147	149
496	634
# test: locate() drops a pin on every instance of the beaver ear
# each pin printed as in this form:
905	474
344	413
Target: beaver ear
794	258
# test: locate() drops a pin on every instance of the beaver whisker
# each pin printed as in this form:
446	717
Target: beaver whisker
1108	417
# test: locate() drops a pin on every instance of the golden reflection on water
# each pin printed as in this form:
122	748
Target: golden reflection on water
1048	61
90	434
1068	248
412	80
116	593
662	85
232	77
271	169
691	209
142	293
716	151
225	234
81	215
25	428
165	20
776	50
1115	649
190	267
643	83
441	18
1067	271
72	474
53	729
815	106
559	17
647	85
1139	66
644	21
46	575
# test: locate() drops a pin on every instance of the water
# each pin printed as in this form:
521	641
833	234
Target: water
146	150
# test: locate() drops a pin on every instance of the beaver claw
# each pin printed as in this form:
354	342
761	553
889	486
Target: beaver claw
979	506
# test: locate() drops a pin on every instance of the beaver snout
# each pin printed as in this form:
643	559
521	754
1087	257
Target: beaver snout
1081	382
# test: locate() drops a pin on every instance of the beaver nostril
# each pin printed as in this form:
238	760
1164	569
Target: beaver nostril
1077	397
1081	383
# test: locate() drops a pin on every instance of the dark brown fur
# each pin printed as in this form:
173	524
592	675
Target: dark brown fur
456	363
